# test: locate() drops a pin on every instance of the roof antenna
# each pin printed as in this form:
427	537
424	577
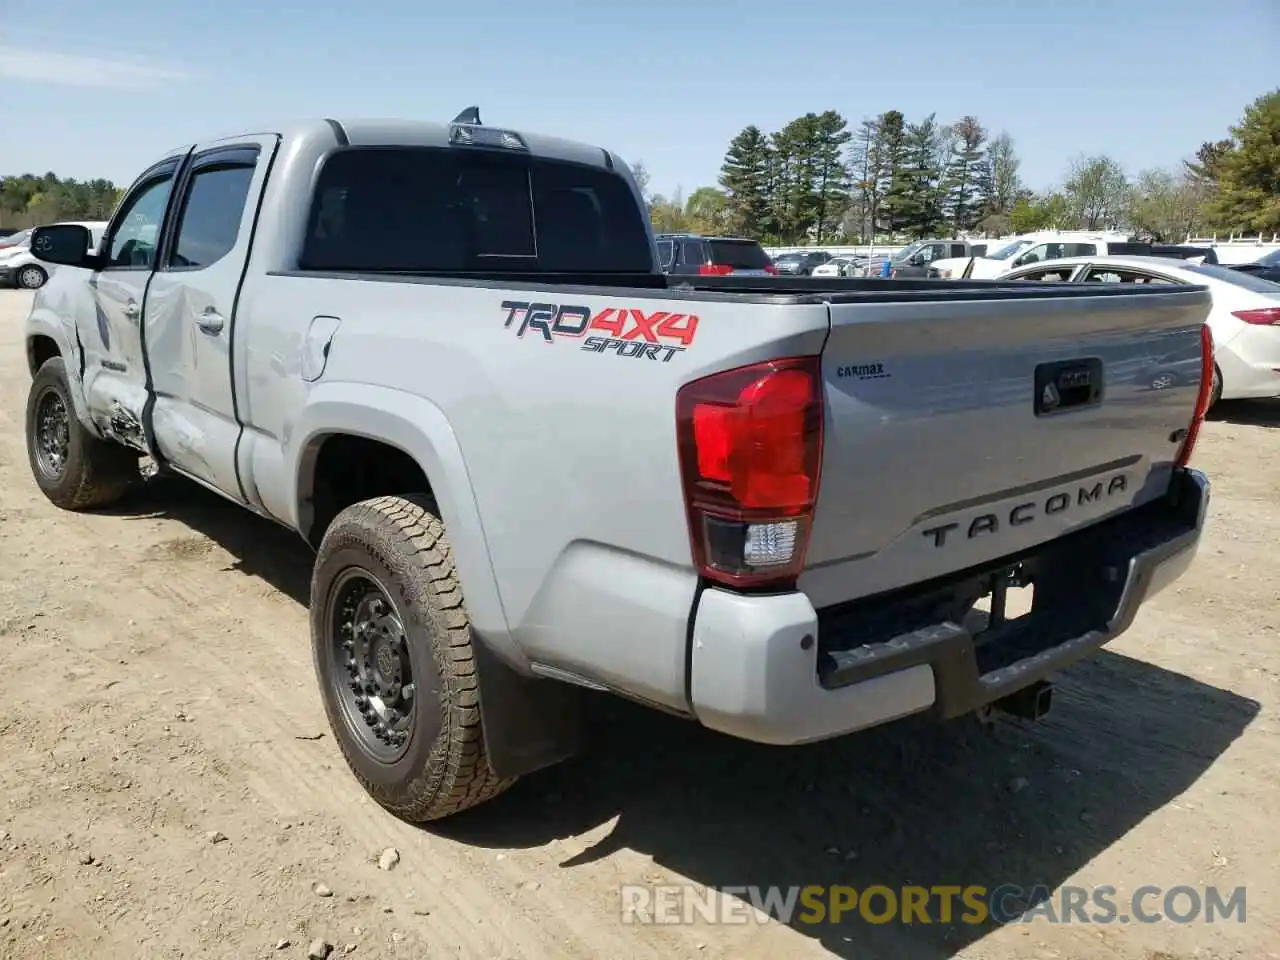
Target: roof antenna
471	116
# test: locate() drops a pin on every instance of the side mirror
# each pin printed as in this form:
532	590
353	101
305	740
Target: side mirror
917	260
65	243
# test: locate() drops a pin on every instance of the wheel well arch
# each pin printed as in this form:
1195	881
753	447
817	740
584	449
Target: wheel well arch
339	469
41	348
529	723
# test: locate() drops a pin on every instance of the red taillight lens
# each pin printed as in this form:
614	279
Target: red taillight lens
1202	398
715	270
770	268
750	443
1267	316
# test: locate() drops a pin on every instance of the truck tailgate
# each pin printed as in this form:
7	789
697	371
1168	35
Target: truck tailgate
937	455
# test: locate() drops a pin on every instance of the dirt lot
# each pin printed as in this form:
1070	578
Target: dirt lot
167	787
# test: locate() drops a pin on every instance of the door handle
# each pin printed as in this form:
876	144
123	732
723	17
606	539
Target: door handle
211	321
131	310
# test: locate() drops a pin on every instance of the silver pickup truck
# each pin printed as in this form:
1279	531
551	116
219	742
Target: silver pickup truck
531	465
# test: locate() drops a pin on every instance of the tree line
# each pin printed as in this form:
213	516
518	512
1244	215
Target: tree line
818	180
29	200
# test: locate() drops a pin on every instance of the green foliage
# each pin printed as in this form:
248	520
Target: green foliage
745	178
791	185
29	200
1248	171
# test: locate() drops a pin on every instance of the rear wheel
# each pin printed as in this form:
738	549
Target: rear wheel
72	467
1215	390
395	659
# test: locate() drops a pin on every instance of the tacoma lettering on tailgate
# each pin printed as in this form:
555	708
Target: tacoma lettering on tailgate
1024	513
623	331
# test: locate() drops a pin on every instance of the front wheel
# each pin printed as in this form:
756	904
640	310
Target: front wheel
395	659
32	277
72	467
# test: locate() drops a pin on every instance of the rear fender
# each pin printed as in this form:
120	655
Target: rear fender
529	722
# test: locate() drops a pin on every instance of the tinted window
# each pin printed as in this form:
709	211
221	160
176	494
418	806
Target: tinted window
958	250
692	253
1272	259
739	254
666	251
468	210
211	215
138	227
1078	249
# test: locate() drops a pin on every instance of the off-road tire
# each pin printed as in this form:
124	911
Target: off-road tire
402	542
96	472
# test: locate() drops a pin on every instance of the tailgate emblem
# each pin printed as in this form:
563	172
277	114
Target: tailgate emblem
1050	398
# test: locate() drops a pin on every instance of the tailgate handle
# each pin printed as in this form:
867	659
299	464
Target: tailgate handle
1068	385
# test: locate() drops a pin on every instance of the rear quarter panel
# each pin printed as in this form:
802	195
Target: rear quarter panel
569	452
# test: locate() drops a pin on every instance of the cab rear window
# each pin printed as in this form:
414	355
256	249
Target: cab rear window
464	210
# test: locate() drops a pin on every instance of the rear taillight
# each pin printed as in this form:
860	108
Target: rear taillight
714	270
1202	398
750	442
770	268
1262	318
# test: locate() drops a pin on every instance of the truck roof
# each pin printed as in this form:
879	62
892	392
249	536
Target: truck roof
410	133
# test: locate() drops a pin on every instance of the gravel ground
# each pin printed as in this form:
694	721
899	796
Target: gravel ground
168	788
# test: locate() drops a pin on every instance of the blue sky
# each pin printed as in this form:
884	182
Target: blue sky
100	89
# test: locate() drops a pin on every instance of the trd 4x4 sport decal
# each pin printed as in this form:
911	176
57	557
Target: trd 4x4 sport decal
626	332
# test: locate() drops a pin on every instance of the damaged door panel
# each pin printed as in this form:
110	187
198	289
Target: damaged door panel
191	311
115	357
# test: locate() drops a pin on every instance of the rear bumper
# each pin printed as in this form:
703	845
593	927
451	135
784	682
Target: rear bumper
774	670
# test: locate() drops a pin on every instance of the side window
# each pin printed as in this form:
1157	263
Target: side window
1113	275
666	252
211	213
693	254
958	250
1079	249
1059	274
133	243
1034	255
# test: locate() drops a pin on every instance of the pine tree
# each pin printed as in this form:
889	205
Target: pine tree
830	178
967	175
745	177
894	188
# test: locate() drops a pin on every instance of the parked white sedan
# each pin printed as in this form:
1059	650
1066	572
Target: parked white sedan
836	267
1245	319
19	266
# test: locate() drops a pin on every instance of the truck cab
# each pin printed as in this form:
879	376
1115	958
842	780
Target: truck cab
915	259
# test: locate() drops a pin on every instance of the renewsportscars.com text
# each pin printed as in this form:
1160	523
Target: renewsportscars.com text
940	904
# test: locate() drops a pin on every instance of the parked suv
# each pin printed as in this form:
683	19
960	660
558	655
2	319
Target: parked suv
682	253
